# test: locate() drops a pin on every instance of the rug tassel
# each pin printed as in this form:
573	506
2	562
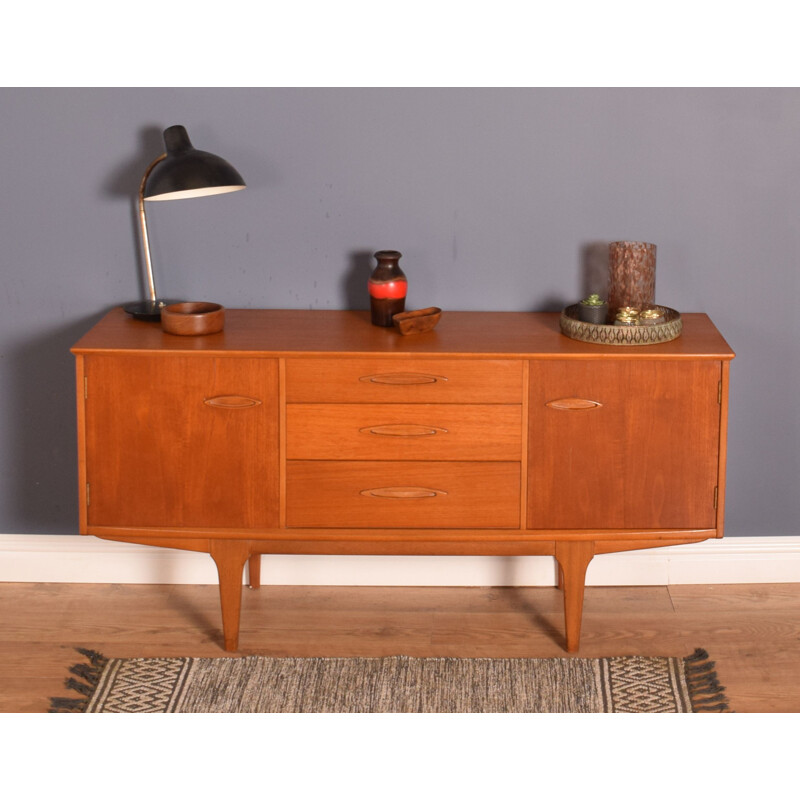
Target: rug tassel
66	704
698	655
90	675
705	690
708	682
96	658
77	686
86	671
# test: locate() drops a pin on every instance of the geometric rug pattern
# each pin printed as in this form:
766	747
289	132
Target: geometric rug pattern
644	685
394	684
135	686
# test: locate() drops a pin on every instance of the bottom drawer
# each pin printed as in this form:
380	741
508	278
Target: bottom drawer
386	494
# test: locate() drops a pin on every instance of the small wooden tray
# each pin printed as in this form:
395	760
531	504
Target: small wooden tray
635	335
425	319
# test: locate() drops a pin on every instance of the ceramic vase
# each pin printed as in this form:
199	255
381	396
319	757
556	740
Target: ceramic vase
388	287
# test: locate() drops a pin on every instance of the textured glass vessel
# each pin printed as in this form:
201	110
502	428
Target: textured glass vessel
632	275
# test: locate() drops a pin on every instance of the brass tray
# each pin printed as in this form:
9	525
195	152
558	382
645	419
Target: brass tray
635	335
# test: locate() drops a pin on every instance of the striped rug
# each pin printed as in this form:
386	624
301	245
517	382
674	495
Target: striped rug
395	684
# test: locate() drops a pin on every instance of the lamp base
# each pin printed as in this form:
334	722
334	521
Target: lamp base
147	310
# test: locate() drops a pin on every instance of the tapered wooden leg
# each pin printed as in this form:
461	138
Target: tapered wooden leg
230	555
254	571
573	559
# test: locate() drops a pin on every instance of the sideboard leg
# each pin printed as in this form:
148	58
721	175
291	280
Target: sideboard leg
230	555
254	571
573	559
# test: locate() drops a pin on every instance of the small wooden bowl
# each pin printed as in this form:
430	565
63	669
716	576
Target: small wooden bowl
418	321
193	319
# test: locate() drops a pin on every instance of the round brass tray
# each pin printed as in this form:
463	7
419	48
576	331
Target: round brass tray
572	326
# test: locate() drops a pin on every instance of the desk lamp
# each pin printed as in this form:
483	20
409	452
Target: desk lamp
180	172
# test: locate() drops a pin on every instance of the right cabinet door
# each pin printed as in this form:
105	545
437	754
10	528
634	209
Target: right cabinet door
623	444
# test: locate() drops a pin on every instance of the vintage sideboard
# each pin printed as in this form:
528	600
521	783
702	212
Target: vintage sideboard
317	432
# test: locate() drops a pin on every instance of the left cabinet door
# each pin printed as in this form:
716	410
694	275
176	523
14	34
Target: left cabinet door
181	441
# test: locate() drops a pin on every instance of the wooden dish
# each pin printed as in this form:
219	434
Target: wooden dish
425	319
193	319
575	328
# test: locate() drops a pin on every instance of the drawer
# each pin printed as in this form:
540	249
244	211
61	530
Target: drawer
380	494
388	432
402	380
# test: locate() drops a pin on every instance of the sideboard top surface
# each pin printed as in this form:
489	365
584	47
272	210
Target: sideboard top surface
286	332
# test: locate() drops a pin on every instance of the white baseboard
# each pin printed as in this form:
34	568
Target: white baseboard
84	559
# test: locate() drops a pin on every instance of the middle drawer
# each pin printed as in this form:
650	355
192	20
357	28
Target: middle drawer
397	432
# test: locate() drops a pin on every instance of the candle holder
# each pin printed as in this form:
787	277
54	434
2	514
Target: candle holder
632	275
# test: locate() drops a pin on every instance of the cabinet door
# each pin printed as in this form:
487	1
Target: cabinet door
623	444
182	441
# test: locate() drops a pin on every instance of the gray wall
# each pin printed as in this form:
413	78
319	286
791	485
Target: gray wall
497	199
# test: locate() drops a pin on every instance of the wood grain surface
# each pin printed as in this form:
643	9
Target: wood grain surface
752	632
296	431
469	333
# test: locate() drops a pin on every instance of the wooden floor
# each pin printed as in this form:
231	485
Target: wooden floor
751	631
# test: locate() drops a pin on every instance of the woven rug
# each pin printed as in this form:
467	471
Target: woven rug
396	684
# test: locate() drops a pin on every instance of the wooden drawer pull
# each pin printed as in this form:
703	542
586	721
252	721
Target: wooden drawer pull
403	429
232	401
402	378
573	404
402	492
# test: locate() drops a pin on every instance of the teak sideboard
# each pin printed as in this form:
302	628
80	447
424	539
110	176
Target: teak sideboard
318	432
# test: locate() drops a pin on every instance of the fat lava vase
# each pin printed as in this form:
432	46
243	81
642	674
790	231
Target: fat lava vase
387	287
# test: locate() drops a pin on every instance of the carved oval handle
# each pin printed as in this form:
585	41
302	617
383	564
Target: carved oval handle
402	492
573	404
232	401
402	378
403	429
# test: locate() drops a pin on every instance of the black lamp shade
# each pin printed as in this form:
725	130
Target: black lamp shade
187	172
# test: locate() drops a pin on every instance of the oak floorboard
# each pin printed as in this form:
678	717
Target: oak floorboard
751	631
733	597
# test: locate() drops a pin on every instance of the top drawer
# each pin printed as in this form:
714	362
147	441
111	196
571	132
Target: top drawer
402	380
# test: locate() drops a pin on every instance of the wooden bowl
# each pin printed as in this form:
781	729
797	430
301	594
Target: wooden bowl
418	321
193	319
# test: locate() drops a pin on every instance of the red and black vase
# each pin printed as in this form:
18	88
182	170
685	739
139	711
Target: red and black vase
388	288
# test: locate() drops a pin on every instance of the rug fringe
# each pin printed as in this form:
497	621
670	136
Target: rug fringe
90	677
705	691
